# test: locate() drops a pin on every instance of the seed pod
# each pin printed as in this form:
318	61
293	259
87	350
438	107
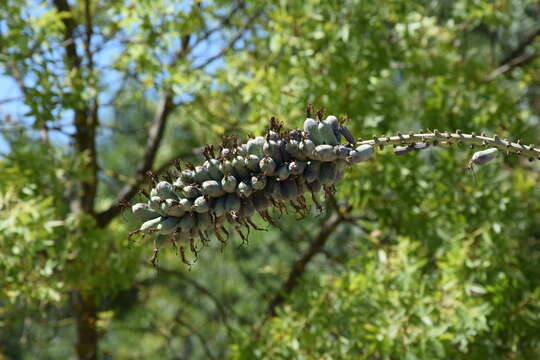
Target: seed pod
402	150
342	151
186	223
165	190
293	148
482	157
325	153
361	153
200	205
307	147
421	145
185	204
212	188
289	190
149	225
143	212
186	176
226	153
314	186
282	172
347	134
252	163
328	173
258	182
267	165
326	134
168	225
260	201
272	135
244	189
171	208
334	124
214	169
247	209
201	174
312	171
255	146
242	150
312	130
191	192
297	167
227	167
203	221
155	204
271	149
232	203
229	184
240	167
301	185
218	207
285	156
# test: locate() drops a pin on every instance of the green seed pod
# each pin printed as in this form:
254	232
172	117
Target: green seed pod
242	150
312	171
327	134
229	184
360	154
315	186
200	205
334	124
402	150
252	163
218	207
258	182
482	157
142	212
165	190
328	173
247	209
307	147
155	204
168	225
272	135
213	168
149	225
260	201
267	165
227	167
342	151
312	130
185	204
282	172
226	153
203	222
232	203
301	185
347	134
285	156
289	190
297	167
186	223
244	189
187	176
255	146
191	192
271	149
272	186
325	153
240	167
201	174
293	148
172	208
212	188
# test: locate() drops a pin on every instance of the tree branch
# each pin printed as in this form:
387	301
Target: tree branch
299	266
520	48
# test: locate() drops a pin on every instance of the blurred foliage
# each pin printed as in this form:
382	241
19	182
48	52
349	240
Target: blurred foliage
440	263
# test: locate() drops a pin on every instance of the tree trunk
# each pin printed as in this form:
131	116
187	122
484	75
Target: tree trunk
86	317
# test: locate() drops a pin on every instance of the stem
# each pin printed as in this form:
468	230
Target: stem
446	138
87	334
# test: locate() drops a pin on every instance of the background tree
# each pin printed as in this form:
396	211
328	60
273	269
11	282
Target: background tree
422	261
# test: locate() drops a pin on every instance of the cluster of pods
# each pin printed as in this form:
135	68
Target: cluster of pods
244	179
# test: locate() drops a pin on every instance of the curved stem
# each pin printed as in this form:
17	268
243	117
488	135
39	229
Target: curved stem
446	138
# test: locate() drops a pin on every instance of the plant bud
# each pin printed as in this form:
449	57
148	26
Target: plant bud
229	184
334	124
143	212
168	225
191	192
252	163
347	134
201	174
312	171
150	225
258	182
327	134
200	205
325	153
360	154
165	190
282	172
297	167
244	189
267	165
482	157
212	188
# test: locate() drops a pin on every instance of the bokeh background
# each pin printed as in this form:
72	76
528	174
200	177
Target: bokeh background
414	258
